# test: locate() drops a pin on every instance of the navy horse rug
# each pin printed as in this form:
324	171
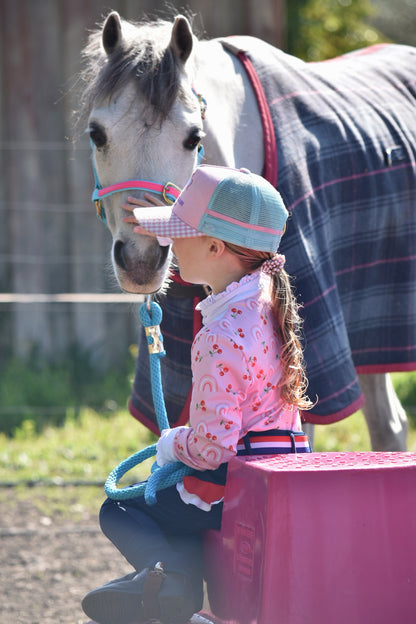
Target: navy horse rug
344	138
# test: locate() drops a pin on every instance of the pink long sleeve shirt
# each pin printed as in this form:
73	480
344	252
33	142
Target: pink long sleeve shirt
236	371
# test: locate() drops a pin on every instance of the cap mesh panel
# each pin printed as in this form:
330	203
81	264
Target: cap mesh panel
242	203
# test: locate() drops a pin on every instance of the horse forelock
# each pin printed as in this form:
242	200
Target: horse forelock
143	58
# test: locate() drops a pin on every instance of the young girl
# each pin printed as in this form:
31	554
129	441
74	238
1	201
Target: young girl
248	385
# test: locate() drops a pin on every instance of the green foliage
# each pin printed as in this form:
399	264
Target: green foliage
322	29
351	434
41	392
84	448
405	386
347	435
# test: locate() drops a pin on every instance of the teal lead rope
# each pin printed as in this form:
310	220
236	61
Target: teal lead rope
161	476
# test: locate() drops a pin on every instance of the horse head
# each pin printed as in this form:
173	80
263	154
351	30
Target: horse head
145	123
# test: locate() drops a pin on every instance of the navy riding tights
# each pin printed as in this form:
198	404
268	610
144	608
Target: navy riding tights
169	531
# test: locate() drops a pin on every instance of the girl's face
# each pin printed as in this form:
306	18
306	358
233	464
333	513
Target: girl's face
191	258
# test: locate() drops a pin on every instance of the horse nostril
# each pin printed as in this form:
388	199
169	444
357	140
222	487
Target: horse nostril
119	255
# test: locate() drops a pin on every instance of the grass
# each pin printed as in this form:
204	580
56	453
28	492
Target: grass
351	434
90	443
88	447
85	448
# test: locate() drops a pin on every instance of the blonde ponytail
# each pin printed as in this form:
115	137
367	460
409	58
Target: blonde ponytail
288	324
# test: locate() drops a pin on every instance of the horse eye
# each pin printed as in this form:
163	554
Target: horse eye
192	141
97	136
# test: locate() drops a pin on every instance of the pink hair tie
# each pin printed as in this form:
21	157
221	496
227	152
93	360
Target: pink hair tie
273	265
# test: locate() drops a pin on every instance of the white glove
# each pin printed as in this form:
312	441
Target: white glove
164	447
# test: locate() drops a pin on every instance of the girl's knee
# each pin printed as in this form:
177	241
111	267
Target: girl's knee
108	512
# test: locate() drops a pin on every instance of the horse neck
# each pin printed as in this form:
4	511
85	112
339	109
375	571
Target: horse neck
234	135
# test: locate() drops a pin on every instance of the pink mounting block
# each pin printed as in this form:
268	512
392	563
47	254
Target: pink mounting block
316	538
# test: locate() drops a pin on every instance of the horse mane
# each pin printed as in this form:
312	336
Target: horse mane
143	58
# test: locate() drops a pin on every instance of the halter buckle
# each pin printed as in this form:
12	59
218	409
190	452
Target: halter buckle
100	210
165	191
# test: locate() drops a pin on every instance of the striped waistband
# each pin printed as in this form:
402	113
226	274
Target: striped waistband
273	442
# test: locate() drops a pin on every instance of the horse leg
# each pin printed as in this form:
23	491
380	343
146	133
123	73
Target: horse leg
309	429
386	419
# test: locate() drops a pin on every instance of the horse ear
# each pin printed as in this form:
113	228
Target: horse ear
111	35
181	41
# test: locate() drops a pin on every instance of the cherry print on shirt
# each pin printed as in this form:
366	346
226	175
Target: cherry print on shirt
264	318
222	369
226	424
210	436
216	350
229	389
235	312
237	346
256	405
247	376
269	421
269	386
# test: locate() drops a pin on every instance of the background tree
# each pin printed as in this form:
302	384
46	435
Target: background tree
321	29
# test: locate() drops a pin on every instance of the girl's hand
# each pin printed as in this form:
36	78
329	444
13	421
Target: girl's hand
164	447
148	201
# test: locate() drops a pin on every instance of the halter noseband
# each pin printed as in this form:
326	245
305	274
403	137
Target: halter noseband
168	191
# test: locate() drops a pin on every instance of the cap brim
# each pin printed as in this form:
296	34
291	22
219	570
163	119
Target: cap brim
161	221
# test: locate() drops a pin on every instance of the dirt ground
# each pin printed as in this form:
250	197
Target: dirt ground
52	552
48	562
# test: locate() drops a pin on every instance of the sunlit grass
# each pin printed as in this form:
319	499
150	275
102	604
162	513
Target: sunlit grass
87	448
87	444
83	449
350	434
